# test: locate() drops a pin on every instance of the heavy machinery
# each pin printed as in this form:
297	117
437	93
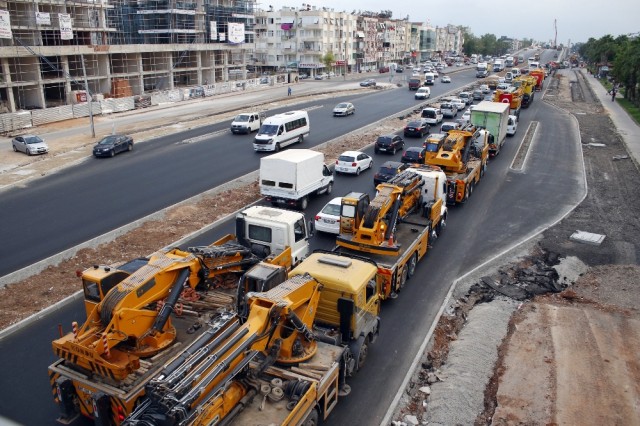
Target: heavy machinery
352	209
539	75
417	201
512	96
463	158
528	84
140	313
286	364
395	199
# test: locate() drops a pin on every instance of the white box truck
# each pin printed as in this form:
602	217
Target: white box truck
494	117
290	177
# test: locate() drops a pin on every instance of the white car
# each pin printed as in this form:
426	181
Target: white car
466	116
512	125
445	79
423	93
328	219
459	103
344	109
432	115
353	162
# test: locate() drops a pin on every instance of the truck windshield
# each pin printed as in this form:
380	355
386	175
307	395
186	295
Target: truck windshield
268	129
242	118
432	147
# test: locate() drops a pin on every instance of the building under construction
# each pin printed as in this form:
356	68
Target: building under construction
52	51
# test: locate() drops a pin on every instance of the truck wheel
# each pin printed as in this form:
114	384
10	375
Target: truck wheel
362	355
304	203
311	419
403	278
411	267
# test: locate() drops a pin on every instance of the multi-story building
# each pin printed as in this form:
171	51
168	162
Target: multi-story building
449	39
52	51
302	39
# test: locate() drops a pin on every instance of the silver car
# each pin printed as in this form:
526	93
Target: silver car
344	109
29	144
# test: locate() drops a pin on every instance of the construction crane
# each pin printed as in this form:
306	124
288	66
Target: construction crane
555	38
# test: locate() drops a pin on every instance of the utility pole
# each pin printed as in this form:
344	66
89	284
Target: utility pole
86	88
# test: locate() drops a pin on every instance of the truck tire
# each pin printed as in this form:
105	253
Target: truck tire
304	202
361	351
312	418
411	265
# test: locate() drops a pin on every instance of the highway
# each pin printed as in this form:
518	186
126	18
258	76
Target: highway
506	207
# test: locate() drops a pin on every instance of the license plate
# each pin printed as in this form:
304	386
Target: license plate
329	221
382	149
342	169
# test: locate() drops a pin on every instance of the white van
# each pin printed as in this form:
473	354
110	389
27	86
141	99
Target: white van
282	130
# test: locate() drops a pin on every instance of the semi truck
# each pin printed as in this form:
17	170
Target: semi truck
463	158
290	177
397	227
493	117
141	314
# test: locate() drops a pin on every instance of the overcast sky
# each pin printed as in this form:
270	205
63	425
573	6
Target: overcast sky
577	20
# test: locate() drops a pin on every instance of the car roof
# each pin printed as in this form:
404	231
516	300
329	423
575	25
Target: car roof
414	148
336	200
354	153
391	164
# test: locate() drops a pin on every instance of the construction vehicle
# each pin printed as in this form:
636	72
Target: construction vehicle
285	364
492	116
130	330
511	95
399	225
352	209
528	84
463	158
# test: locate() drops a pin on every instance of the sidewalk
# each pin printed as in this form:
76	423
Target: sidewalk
627	128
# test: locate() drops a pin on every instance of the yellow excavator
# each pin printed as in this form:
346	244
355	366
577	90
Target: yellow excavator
394	200
129	308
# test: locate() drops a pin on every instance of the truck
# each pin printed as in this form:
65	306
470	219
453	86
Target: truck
247	122
416	82
493	117
285	363
482	70
463	159
539	75
141	314
498	65
398	227
291	177
512	96
527	83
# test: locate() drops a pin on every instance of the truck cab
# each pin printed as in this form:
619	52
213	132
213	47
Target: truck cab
352	210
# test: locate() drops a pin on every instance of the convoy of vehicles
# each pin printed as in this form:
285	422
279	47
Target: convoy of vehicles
291	177
252	328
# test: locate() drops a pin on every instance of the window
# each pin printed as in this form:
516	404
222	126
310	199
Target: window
260	233
299	230
348	211
91	291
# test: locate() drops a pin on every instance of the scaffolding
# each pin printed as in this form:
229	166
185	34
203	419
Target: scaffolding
120	48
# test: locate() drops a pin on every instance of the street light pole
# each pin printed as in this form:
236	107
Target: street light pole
86	87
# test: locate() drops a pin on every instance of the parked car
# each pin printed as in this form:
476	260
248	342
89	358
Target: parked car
389	143
388	170
399	69
353	162
29	144
423	93
418	128
111	145
303	76
319	77
512	125
344	109
413	154
383	69
466	97
432	115
449	109
445	79
449	125
368	83
328	219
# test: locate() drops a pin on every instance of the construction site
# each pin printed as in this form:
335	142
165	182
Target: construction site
57	53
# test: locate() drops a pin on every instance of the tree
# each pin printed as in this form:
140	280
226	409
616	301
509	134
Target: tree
328	59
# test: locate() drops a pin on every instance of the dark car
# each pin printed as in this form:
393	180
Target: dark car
389	143
399	69
368	83
477	95
388	170
383	69
112	145
414	154
417	128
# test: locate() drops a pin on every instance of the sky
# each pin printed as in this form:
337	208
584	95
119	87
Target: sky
576	20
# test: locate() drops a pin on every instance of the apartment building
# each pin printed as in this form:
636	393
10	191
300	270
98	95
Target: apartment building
51	51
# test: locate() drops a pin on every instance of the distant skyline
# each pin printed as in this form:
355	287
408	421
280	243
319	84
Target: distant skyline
576	20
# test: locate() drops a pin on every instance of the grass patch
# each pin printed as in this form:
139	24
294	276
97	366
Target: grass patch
632	110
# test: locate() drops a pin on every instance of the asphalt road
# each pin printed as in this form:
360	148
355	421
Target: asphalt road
506	207
70	207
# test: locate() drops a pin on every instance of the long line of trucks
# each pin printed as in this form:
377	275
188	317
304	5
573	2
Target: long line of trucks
253	329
